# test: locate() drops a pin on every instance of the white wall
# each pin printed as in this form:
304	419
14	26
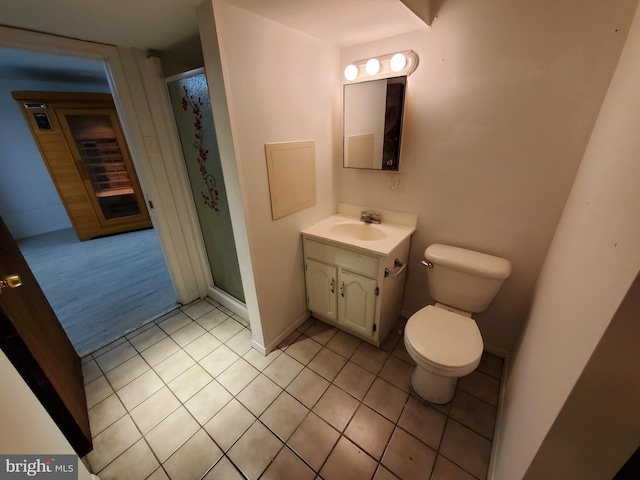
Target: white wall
29	202
281	85
598	428
592	261
498	114
25	425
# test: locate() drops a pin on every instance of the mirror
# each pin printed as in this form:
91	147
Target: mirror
373	114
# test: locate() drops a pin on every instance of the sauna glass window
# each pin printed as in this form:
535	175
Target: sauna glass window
104	164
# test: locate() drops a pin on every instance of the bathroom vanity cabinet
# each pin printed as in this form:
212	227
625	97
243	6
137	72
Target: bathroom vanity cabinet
356	289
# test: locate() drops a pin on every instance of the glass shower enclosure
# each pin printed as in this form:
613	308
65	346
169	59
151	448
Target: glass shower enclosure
191	107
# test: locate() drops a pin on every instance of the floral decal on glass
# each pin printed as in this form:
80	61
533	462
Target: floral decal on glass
210	198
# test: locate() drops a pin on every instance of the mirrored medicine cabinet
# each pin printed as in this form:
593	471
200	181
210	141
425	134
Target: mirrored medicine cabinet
373	114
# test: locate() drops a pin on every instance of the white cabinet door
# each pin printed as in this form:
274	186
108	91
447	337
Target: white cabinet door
357	302
322	280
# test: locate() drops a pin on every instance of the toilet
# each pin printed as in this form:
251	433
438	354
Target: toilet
443	339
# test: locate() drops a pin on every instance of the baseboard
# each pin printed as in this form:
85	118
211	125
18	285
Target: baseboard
498	352
496	431
188	297
258	347
269	348
229	302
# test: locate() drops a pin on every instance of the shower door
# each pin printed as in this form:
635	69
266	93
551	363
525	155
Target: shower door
194	122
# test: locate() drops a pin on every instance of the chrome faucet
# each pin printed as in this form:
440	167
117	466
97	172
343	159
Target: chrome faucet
370	217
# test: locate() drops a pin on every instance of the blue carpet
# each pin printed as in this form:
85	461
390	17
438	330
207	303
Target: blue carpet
103	288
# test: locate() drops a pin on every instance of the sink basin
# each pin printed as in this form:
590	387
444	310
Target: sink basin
345	230
358	231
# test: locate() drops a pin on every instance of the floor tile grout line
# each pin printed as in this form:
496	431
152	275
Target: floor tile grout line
283	389
125	338
488	374
128	412
150	368
201	427
444	429
451	459
224	455
450	418
361	402
144	436
126	335
309	410
476	397
473	429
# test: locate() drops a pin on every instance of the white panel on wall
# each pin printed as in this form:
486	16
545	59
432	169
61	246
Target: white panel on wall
292	176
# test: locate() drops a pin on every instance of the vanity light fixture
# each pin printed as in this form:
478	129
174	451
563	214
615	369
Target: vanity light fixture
372	67
383	66
398	62
351	72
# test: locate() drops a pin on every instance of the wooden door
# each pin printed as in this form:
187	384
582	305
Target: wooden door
34	341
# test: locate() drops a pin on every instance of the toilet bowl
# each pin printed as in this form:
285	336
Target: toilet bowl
445	345
443	339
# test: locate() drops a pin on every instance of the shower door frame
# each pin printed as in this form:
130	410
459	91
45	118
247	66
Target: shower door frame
217	294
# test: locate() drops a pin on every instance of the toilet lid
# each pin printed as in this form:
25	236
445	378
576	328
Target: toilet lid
444	338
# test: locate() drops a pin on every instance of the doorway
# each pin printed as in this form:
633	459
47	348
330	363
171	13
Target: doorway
75	276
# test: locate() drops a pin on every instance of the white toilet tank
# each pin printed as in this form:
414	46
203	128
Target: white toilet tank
465	279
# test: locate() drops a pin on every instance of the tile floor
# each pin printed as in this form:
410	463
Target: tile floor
186	397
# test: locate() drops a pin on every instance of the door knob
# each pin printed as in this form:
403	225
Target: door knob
10	281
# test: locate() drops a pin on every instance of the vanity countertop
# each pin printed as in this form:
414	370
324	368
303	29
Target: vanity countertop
379	239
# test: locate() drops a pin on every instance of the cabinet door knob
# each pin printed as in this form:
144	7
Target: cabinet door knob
342	288
332	285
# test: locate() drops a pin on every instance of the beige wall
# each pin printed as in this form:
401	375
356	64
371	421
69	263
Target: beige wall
498	114
25	426
592	261
598	428
281	85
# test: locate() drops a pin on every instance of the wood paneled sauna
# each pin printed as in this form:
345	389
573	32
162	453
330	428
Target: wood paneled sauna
83	146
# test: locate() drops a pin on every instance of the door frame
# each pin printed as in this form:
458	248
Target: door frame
170	213
161	111
222	297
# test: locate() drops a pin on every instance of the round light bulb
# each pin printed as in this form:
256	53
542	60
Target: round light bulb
398	62
372	67
351	72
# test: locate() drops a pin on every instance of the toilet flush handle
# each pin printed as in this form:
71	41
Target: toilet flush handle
427	264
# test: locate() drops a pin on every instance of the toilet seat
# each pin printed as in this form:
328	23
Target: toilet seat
444	342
